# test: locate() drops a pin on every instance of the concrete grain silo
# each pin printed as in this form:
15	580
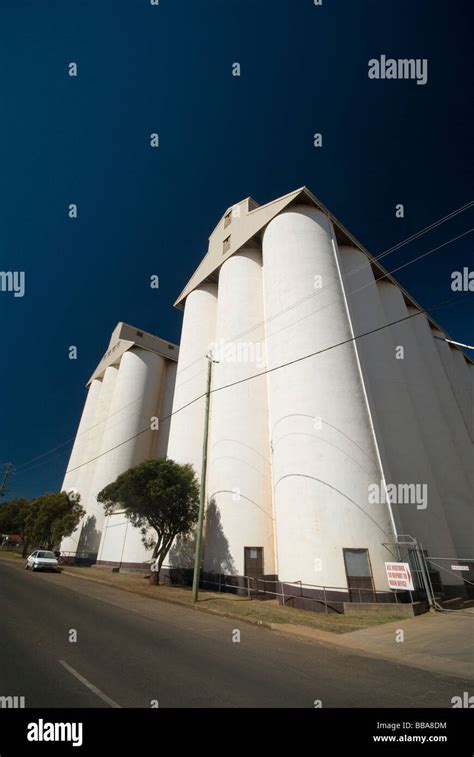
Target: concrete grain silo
324	451
78	542
197	337
340	416
80	443
239	481
136	377
349	419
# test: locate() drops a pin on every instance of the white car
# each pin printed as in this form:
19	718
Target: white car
42	559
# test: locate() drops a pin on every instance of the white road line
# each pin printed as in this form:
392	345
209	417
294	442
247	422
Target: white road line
90	685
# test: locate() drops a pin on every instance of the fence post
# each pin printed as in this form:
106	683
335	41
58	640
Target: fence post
248	587
325	602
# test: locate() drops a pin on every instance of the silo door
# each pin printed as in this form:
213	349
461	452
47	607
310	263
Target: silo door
254	568
359	575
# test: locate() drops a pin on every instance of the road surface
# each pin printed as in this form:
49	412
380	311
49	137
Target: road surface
135	652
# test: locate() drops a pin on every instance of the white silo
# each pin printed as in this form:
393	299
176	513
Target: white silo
423	424
458	431
165	409
441	437
124	543
457	372
240	516
407	408
80	443
463	381
324	452
128	437
198	333
91	450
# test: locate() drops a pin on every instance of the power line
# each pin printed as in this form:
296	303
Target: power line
381	255
7	473
271	370
426	229
449	216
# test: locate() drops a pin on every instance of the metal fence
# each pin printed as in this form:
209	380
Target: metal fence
331	598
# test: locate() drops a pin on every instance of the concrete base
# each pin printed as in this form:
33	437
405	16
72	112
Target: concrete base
396	610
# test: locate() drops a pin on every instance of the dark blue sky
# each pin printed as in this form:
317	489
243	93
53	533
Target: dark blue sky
168	69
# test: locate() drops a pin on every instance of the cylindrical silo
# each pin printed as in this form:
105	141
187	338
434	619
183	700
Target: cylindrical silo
411	418
165	409
455	482
80	442
457	372
458	431
128	436
324	451
435	461
461	369
91	449
198	334
240	513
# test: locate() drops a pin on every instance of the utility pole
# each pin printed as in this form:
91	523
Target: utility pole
202	491
8	472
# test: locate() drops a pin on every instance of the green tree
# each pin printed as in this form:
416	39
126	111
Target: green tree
160	495
12	519
51	517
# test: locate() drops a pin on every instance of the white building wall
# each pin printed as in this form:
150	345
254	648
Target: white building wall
239	482
199	328
128	437
125	543
463	380
80	443
447	440
166	408
90	453
457	372
324	454
406	411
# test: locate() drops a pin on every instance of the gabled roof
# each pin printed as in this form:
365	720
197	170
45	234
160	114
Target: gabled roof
247	223
123	338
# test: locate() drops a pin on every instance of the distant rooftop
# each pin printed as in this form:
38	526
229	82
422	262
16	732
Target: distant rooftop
124	337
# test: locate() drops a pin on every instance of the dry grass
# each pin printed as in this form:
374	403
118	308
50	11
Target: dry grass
230	604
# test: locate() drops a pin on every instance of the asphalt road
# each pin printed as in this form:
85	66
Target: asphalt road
131	650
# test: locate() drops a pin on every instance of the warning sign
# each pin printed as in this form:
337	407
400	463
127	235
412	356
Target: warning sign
399	576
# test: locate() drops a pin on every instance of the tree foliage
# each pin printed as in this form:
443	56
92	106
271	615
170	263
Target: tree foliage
50	518
157	494
12	519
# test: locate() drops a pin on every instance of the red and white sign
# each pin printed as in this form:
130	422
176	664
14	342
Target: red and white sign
399	576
